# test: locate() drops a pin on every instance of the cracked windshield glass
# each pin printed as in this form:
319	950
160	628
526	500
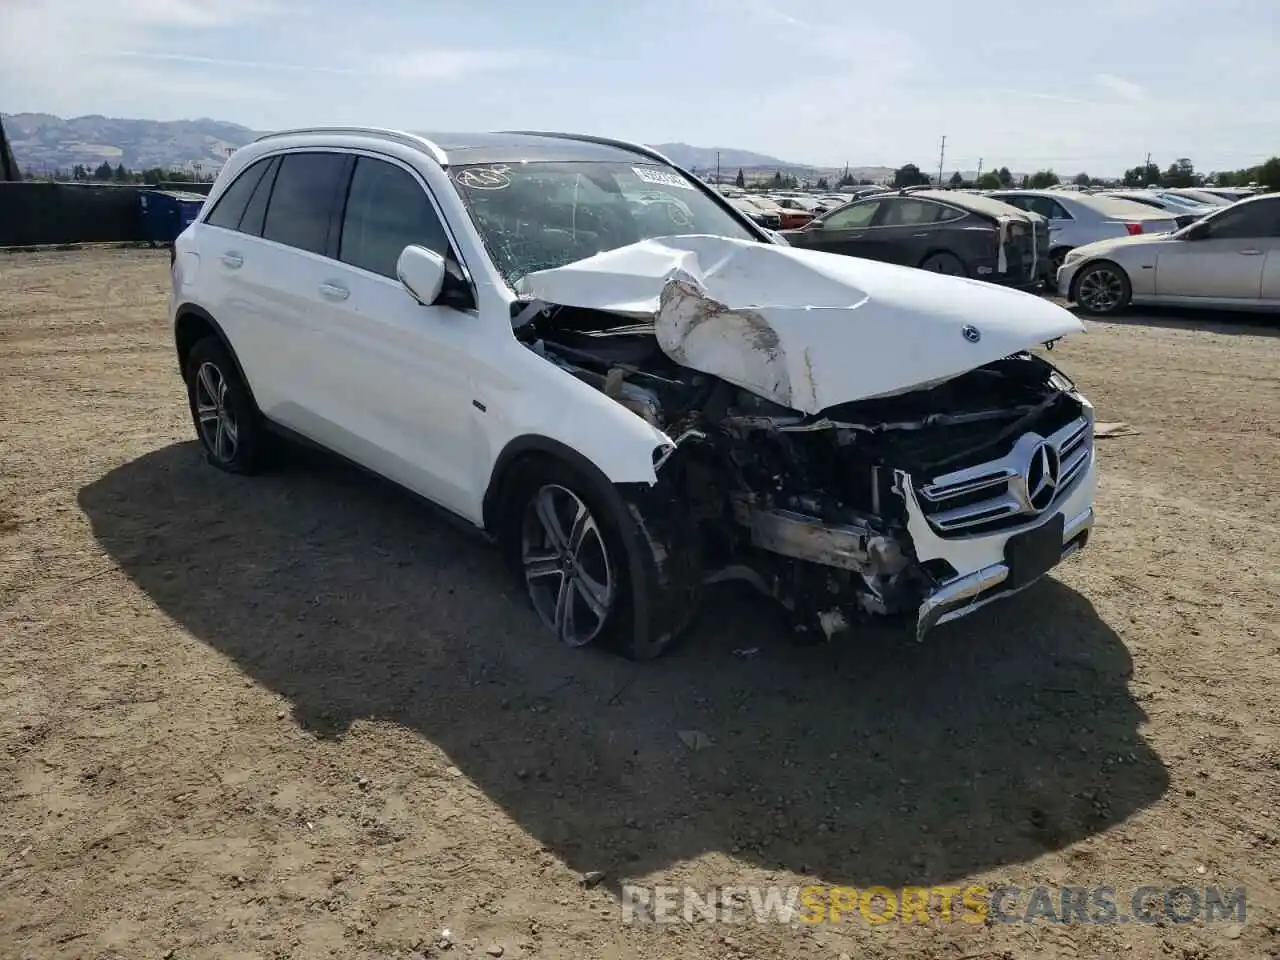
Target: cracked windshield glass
537	216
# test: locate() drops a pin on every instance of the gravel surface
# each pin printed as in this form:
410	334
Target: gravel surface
300	716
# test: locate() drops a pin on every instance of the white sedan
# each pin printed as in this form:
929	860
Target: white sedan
1229	260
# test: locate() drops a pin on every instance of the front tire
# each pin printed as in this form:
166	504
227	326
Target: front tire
600	564
226	419
1102	289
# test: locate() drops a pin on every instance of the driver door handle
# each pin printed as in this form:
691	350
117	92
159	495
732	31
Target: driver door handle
1251	252
333	291
233	259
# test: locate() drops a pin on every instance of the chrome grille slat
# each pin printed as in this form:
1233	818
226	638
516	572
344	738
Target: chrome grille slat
1074	445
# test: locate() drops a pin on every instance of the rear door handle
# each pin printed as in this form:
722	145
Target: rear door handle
334	291
1250	253
920	236
233	260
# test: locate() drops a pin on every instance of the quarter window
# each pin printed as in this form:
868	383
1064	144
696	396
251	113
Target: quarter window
229	209
303	199
387	210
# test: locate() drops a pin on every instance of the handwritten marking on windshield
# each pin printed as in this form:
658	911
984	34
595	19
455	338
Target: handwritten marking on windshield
483	178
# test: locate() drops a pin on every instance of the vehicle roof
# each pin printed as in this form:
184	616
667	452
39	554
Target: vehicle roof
478	147
973	202
1111	207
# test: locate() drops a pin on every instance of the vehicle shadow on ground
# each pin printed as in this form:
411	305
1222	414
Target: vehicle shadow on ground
877	762
1258	324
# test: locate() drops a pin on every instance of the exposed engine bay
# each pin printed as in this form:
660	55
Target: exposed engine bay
810	508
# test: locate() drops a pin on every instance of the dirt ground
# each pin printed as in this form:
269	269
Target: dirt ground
300	716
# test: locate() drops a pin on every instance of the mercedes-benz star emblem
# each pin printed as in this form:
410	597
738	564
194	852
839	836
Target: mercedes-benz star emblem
1042	475
972	333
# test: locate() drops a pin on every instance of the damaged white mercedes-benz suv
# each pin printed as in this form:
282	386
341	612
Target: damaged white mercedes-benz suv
589	355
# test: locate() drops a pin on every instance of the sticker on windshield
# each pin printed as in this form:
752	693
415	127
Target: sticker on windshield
483	178
662	178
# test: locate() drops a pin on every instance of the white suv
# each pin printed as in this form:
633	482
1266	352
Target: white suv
594	358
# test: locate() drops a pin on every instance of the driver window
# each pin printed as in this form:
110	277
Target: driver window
852	217
387	210
1253	221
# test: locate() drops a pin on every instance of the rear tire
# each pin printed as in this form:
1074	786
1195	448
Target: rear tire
227	421
944	263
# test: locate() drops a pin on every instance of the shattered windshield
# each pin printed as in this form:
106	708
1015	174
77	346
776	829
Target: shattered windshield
537	216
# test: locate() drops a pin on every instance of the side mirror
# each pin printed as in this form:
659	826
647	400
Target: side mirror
1197	231
422	272
815	224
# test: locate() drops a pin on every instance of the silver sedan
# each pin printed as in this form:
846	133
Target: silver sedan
1229	260
1079	218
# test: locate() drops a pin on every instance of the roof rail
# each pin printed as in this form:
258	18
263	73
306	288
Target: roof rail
639	148
399	136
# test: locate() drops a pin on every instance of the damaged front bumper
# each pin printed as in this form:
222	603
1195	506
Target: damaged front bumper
964	594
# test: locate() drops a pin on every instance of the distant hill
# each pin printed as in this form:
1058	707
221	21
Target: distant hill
703	160
44	143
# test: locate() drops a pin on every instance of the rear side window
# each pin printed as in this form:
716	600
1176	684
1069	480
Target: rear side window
910	213
302	201
387	210
231	205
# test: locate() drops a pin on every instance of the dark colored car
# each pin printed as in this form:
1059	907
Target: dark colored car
960	234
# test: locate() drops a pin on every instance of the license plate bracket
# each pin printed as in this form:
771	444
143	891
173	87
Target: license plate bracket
1031	554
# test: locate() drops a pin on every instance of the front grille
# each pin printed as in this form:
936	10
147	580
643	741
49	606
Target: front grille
994	495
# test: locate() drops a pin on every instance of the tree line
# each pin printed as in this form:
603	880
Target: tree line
1180	173
106	173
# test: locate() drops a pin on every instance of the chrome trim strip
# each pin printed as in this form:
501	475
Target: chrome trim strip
963	595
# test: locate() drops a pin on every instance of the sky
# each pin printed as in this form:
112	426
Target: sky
1090	85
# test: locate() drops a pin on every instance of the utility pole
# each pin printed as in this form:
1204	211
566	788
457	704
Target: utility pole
979	176
941	154
717	166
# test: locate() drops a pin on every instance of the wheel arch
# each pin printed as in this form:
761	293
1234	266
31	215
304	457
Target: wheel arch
528	448
943	251
192	324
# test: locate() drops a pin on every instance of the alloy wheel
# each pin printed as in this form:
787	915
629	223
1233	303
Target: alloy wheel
218	426
1101	290
566	565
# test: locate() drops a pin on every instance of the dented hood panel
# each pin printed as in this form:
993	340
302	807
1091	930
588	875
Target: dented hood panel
802	328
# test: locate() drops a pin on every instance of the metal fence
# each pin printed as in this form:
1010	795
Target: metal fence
37	213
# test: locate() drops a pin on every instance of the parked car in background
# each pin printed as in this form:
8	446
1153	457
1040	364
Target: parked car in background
757	213
1231	194
788	219
809	205
1079	218
1230	259
1182	209
1199	196
963	235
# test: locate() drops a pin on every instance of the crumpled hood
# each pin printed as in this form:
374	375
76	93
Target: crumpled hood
802	328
